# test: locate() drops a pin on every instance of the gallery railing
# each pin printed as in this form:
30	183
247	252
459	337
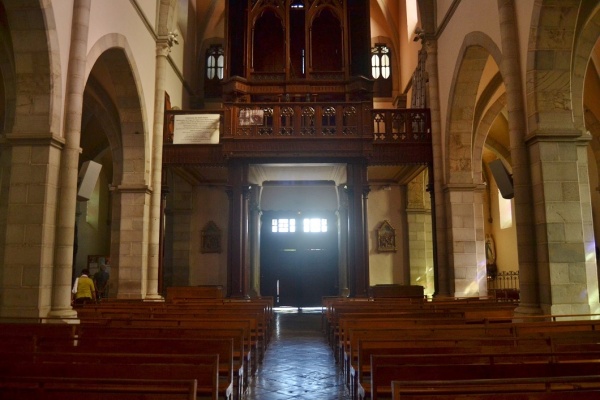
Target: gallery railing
314	120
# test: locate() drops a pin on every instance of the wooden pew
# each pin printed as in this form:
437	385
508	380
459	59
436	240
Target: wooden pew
386	368
69	388
157	345
257	314
546	388
241	355
478	371
372	346
205	375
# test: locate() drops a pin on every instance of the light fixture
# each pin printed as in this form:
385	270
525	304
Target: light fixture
297	4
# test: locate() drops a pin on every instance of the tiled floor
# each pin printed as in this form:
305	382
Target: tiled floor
298	363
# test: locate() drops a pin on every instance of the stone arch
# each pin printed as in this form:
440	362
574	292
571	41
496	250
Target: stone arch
475	51
553	27
130	151
36	56
586	39
481	135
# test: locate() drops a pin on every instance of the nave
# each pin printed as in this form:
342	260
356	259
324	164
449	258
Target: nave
298	363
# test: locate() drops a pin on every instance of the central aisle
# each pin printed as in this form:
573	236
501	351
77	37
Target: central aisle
298	363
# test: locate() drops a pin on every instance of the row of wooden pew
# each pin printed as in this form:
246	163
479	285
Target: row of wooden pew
197	349
382	345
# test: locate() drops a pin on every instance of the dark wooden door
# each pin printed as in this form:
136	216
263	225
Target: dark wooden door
298	268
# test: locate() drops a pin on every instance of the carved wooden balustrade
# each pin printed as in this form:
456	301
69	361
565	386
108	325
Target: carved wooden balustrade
308	129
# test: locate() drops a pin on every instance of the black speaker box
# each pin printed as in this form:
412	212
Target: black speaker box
503	179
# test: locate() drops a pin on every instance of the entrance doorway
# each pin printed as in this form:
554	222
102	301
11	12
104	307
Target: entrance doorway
299	257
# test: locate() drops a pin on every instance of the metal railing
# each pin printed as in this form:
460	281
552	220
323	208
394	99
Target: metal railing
504	285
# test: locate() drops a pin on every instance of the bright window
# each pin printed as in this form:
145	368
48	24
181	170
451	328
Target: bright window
315	225
505	211
215	62
381	70
283	225
380	61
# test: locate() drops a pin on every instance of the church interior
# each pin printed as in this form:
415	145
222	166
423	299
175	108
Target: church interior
430	158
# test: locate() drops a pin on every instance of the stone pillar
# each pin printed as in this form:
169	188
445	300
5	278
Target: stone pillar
27	284
521	174
254	239
129	234
69	163
342	218
163	47
238	224
358	256
179	226
467	239
568	282
420	245
444	273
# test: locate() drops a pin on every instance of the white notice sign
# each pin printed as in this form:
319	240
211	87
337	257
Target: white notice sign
196	129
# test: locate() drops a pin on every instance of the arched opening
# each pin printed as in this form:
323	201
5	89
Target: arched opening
268	49
326	42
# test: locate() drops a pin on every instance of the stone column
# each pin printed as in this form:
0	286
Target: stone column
358	256
131	205
419	230
568	282
163	47
254	238
521	174
179	225
342	225
69	163
467	238
238	225
443	277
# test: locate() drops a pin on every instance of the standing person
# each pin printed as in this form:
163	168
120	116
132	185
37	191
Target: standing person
101	281
84	290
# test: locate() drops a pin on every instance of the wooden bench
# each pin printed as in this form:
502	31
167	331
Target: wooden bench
205	375
155	345
241	354
368	346
68	388
546	388
414	372
385	369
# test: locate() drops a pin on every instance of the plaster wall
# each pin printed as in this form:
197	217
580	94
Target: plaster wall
209	204
390	205
507	257
93	233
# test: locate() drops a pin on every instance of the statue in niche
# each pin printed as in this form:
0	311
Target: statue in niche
490	256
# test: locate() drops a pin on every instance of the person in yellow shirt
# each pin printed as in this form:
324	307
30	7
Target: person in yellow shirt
84	290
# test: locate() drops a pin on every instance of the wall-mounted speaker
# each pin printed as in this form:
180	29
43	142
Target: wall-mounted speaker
503	179
88	176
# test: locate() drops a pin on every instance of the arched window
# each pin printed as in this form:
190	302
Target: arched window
215	62
381	69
